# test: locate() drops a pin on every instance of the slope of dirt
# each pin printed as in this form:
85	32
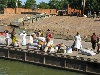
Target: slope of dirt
67	25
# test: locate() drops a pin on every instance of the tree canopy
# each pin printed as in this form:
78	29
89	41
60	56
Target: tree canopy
43	5
29	3
91	5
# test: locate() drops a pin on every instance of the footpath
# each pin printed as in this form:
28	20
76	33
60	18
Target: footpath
68	43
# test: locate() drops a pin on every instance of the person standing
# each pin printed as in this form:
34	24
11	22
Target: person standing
40	33
98	44
23	34
7	37
31	39
48	36
13	37
93	40
77	41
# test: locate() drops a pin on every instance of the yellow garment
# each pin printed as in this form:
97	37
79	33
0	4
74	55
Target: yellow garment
40	34
13	39
41	42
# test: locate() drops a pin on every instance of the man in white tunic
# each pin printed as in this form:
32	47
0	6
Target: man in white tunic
77	40
7	37
23	34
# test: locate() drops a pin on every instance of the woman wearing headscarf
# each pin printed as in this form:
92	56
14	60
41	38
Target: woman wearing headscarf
13	37
77	41
23	34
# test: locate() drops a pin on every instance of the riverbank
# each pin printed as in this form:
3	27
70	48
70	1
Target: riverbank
68	61
62	25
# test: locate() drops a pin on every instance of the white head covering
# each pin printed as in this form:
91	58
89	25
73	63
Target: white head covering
23	31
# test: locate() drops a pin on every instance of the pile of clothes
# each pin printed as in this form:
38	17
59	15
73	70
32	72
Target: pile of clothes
87	52
37	43
49	47
62	48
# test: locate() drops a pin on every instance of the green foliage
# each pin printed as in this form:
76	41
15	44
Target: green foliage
93	5
20	4
43	5
30	3
11	4
3	4
75	3
65	4
90	5
58	4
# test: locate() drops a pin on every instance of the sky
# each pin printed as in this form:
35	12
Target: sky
37	1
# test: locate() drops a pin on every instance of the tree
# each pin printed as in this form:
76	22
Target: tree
3	4
11	4
30	3
76	4
58	4
52	4
43	5
93	5
65	4
20	4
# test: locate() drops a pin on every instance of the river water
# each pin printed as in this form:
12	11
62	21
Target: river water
8	67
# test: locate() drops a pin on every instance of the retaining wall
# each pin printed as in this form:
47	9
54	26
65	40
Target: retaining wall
54	60
28	11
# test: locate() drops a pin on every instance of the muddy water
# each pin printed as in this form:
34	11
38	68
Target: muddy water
18	68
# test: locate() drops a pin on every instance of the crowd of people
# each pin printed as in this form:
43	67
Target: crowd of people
45	43
33	36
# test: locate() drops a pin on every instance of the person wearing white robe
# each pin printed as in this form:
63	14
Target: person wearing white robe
77	40
7	37
23	34
31	39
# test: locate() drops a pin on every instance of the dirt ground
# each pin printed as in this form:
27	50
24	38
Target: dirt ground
63	25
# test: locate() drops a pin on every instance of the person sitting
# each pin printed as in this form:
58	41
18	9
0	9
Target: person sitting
17	44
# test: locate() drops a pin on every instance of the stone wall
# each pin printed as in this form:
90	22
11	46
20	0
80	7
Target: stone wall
19	10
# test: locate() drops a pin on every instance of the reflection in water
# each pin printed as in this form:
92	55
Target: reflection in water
18	68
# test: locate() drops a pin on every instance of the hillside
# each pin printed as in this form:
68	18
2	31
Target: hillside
69	25
64	25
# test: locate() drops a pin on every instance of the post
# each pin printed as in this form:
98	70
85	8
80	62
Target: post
17	6
24	57
83	3
44	60
8	53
